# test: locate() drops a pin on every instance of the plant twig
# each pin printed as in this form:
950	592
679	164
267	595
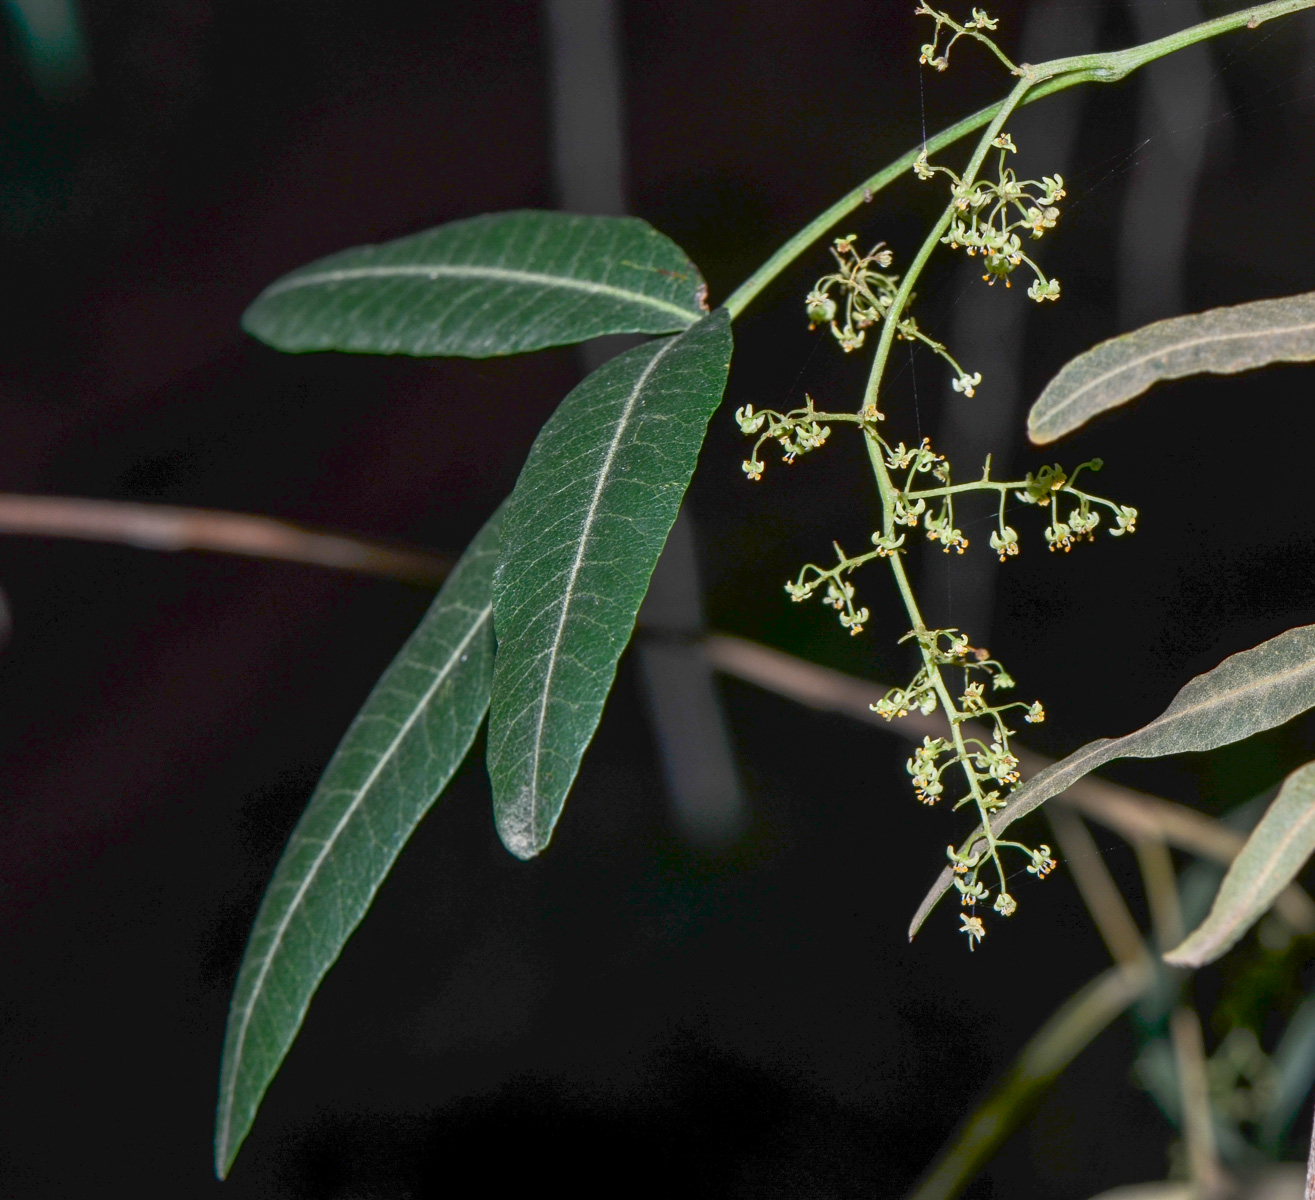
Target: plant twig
163	527
1131	814
1052	77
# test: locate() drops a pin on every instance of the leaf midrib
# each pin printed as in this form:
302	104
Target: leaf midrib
1175	347
241	1039
568	592
502	274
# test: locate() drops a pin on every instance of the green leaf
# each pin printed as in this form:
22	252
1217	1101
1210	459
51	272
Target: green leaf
1276	850
396	757
496	284
1221	341
1247	693
584	528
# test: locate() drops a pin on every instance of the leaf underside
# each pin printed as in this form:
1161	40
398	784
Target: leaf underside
1271	858
1247	693
394	760
496	284
1221	341
584	527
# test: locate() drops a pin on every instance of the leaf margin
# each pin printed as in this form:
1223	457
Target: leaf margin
472	572
1044	424
524	824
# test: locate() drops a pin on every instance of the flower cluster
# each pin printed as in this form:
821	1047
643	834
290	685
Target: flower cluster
930	54
795	432
866	292
839	591
966	865
922	766
988	218
1048	485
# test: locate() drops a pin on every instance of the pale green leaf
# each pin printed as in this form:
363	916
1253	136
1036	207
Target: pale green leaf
1248	692
1276	850
1221	341
495	284
396	757
584	528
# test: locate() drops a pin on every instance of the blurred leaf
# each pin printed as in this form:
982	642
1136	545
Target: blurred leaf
1248	692
495	284
1221	341
396	757
585	525
1276	850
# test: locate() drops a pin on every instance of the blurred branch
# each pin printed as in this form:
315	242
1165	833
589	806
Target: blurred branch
1131	814
162	527
1056	1044
1161	891
1194	1090
1097	887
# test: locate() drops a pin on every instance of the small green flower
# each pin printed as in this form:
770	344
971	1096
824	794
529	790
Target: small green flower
973	927
1042	863
1004	543
967	384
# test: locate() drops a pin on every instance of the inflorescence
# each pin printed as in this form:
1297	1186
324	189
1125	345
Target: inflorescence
988	217
918	491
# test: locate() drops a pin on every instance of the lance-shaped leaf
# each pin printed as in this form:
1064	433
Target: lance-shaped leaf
584	528
1276	850
1221	341
496	284
396	757
1247	693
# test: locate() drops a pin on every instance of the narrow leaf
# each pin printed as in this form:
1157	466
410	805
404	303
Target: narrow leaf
584	528
1221	341
1247	693
396	757
495	284
1276	850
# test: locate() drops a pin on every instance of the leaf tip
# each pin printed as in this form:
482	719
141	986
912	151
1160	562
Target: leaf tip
1188	953
517	828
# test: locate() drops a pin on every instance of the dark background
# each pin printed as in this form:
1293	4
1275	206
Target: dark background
625	1013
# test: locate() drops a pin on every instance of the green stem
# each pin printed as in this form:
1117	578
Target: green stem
1048	78
886	488
891	324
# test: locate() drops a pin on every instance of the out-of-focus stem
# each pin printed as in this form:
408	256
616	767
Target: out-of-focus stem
163	527
1194	1090
1098	890
1161	891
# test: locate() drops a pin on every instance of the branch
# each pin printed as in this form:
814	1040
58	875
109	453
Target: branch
1052	77
161	527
